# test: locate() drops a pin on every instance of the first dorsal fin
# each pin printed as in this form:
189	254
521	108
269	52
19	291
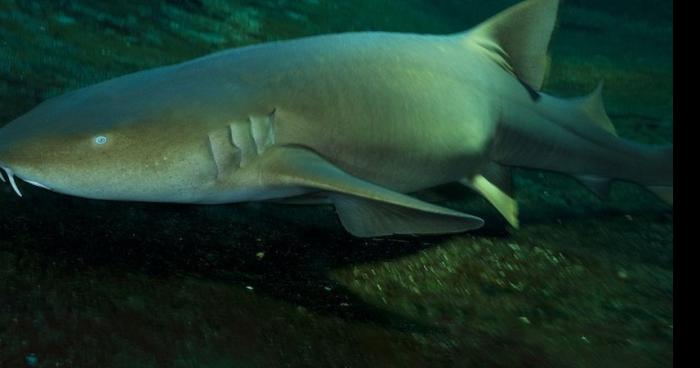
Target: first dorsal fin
520	35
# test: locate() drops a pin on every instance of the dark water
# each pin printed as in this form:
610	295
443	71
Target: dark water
582	283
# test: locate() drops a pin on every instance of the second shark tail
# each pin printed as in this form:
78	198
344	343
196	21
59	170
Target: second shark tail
535	130
576	137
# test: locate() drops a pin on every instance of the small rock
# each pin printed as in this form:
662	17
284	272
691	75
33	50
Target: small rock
524	320
32	360
621	273
65	19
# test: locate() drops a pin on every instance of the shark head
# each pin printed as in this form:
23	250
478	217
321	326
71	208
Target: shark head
90	143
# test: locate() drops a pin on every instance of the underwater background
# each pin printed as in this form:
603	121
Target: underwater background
582	283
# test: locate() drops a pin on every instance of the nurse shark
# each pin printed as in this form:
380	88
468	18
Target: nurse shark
357	120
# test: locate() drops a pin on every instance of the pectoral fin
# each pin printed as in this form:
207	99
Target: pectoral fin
365	209
368	218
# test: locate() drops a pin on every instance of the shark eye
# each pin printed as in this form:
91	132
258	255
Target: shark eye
100	139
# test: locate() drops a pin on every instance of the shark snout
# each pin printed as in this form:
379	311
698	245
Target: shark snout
19	159
7	174
10	171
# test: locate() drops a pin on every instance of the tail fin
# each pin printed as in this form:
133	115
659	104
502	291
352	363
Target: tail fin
576	137
665	192
517	39
661	157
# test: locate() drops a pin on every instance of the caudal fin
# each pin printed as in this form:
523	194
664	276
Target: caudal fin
665	192
656	167
573	136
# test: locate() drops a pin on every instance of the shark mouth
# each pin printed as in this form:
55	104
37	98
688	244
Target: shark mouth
11	178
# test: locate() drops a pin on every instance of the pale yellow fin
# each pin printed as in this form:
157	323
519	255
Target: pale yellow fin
495	184
505	204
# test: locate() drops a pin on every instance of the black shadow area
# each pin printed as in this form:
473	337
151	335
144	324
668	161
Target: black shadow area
281	250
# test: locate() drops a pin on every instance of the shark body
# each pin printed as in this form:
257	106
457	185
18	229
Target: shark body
359	120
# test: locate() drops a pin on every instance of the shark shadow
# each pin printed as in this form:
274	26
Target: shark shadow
284	251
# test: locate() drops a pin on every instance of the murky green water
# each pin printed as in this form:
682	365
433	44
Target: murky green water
582	283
